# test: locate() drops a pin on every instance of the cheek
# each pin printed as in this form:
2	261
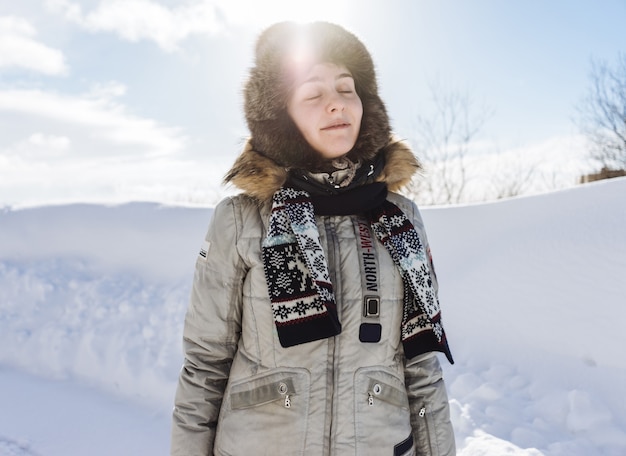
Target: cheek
298	116
358	111
304	120
357	106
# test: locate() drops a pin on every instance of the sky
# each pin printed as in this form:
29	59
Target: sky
140	100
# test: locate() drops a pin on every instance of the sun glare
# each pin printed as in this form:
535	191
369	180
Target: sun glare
255	13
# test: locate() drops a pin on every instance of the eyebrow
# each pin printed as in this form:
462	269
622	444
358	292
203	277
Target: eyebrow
339	76
344	75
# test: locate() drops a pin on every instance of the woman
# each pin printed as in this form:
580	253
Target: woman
314	315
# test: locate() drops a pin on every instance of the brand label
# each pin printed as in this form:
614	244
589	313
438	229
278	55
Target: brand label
204	251
369	265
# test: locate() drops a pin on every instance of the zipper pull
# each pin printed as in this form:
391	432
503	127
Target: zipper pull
370	399
422	412
287	401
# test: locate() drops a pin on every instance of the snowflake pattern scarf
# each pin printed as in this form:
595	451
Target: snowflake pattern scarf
299	285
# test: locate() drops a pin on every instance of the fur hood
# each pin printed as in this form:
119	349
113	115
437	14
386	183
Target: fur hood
282	51
276	146
259	176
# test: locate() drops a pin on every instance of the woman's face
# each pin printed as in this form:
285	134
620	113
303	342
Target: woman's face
326	109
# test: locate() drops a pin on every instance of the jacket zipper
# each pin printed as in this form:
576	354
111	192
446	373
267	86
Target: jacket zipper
332	245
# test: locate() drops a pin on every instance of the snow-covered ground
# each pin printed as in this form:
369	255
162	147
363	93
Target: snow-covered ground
533	289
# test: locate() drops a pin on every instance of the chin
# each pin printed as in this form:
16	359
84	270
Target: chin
336	151
331	155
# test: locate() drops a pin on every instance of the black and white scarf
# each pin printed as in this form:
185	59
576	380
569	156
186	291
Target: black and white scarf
299	284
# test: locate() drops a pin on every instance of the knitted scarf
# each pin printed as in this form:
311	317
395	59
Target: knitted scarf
299	285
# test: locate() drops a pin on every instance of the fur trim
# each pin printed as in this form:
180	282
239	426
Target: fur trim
401	165
260	176
270	82
256	174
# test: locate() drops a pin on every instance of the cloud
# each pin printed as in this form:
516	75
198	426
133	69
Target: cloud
95	115
39	145
19	49
61	148
136	20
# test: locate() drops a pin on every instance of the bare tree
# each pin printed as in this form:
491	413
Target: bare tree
512	177
602	114
443	141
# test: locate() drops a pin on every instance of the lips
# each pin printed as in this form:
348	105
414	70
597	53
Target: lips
338	125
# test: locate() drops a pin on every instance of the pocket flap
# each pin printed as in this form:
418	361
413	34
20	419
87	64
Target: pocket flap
246	395
385	392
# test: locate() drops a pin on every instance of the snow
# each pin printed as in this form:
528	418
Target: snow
92	300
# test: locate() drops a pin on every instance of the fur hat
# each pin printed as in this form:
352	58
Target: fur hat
273	133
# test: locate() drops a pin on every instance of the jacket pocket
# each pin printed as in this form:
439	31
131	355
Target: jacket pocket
266	413
382	416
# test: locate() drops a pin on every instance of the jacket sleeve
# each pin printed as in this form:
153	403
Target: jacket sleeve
428	399
430	412
210	335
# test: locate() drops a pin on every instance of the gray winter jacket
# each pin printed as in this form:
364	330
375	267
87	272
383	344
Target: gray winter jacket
241	393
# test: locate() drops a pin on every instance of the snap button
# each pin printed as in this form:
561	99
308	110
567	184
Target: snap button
282	388
377	388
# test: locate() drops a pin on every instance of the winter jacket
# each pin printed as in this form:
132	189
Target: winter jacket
241	393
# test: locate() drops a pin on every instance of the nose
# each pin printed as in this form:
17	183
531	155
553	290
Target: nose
335	104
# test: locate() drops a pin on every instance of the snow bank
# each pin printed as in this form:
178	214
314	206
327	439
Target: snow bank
92	300
98	293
